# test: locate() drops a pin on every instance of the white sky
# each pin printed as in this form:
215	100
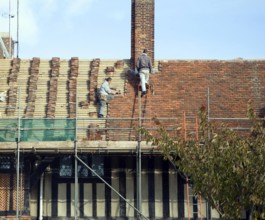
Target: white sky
184	29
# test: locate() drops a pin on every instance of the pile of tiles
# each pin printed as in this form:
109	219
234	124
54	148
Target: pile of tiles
12	92
32	87
119	64
72	82
109	71
93	78
53	86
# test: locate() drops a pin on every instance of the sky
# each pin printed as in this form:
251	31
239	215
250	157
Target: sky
184	29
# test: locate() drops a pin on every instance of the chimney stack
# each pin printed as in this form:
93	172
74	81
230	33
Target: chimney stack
142	29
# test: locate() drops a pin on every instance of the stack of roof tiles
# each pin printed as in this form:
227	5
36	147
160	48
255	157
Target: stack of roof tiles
93	76
93	133
110	71
12	92
72	84
52	98
119	64
33	83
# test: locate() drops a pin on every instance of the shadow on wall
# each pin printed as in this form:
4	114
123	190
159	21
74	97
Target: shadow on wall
133	80
262	114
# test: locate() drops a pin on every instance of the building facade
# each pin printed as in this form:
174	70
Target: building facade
6	45
50	136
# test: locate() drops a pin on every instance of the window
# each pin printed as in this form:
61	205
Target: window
66	169
98	165
67	166
7	163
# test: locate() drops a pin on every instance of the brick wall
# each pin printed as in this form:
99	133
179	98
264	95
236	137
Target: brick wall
142	28
182	86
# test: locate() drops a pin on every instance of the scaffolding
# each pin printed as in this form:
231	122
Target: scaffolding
46	129
3	48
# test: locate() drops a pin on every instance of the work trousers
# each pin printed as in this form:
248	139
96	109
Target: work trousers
102	103
144	77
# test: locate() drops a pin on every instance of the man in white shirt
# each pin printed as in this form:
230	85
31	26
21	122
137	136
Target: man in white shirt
105	96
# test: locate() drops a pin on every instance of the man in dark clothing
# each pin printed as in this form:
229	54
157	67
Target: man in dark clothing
144	67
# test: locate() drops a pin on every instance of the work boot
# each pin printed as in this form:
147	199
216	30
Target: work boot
143	93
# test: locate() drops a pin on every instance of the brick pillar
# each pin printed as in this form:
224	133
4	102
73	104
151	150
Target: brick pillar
142	28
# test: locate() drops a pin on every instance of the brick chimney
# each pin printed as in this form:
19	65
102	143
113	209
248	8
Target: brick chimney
142	28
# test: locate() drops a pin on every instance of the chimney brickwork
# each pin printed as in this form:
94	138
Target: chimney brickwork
142	28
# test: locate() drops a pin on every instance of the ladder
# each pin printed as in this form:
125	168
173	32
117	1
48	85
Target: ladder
149	90
197	211
196	208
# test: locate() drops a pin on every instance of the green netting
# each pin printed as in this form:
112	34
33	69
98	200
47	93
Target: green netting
37	130
8	130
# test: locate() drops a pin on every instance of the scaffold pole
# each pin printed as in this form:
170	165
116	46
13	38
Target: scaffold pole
18	158
138	160
208	106
76	162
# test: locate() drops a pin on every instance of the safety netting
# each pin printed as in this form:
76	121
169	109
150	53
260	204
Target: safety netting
37	130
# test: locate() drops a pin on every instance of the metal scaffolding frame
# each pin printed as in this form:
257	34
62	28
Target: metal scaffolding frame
75	149
3	47
8	52
77	159
18	159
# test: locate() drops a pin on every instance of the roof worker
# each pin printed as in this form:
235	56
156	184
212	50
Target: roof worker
105	96
144	67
